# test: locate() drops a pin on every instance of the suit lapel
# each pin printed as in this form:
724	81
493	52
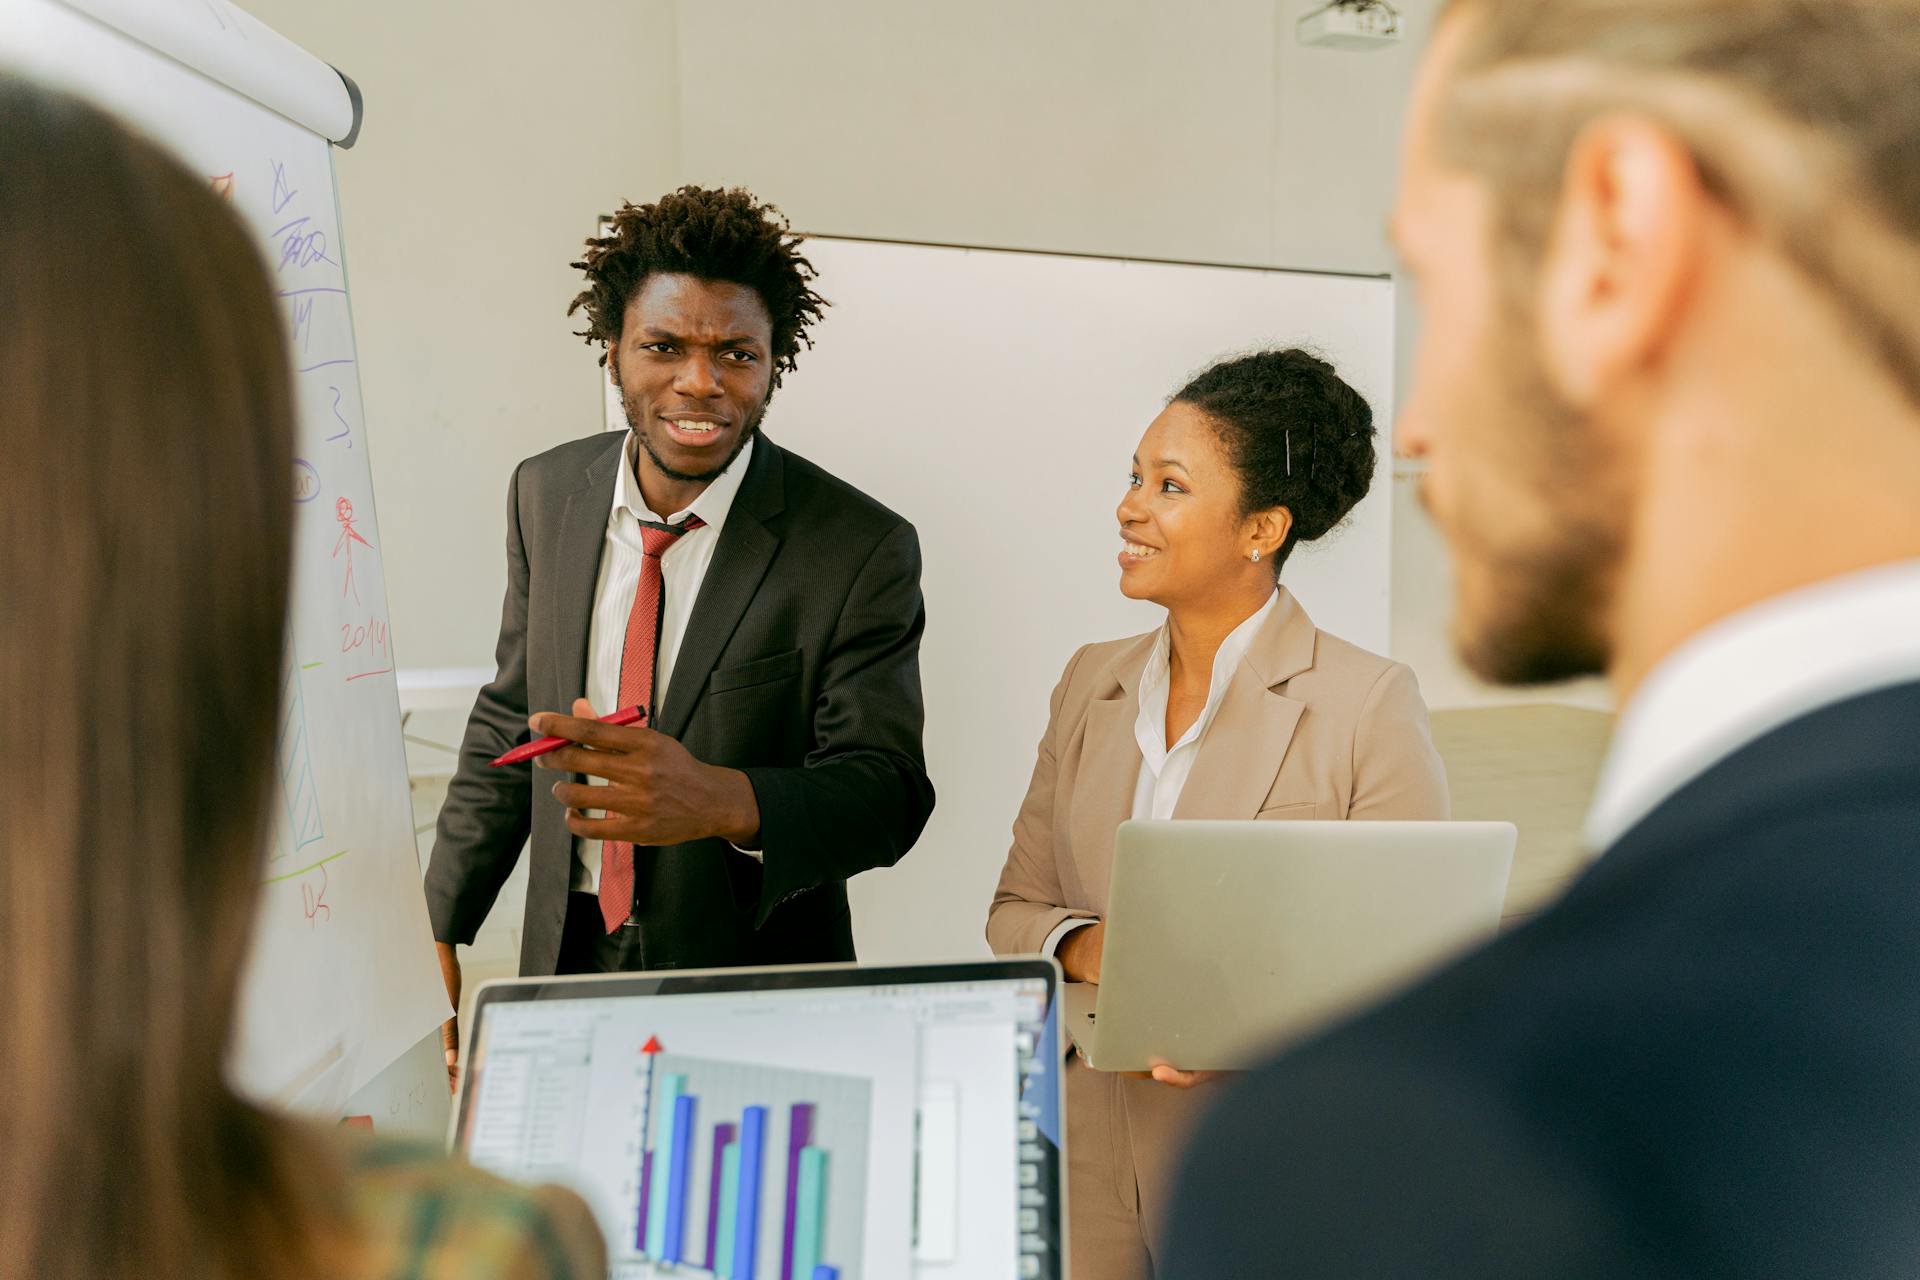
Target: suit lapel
583	537
1109	771
1240	756
740	562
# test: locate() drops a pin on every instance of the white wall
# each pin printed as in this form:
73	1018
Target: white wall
494	131
1336	141
1198	131
1134	129
1202	132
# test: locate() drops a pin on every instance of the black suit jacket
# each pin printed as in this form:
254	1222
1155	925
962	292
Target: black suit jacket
1704	1061
800	666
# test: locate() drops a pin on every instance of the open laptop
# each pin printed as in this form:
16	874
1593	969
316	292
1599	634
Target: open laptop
1225	938
812	1123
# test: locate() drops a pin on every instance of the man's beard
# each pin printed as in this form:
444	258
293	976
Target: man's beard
633	415
1546	617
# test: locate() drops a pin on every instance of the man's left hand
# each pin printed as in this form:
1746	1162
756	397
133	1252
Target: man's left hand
656	792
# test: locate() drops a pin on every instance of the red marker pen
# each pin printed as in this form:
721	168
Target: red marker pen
540	746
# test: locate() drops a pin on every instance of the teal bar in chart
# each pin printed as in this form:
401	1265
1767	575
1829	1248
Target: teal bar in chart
665	1109
722	1263
811	1213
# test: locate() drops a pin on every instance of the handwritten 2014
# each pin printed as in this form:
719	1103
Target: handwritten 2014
313	900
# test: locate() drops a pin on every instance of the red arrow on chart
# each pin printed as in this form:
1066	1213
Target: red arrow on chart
648	1052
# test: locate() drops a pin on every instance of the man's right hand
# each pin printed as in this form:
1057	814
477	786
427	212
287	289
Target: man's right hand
1079	953
450	1029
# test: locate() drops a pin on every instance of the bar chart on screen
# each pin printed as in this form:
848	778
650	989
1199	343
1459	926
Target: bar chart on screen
744	1171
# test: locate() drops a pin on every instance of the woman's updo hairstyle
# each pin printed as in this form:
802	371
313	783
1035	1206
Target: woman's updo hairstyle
1298	436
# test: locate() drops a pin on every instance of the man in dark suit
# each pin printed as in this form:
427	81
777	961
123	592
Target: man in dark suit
766	614
1668	391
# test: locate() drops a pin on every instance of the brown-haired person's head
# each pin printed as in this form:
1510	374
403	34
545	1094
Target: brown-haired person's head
1667	254
145	524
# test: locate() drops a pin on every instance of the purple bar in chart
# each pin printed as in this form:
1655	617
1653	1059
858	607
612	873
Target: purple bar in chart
646	1185
799	1134
722	1135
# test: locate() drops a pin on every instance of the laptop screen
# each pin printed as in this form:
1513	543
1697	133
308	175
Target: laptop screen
802	1124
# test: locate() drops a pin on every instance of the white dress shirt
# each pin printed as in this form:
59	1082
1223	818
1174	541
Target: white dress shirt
683	567
1164	769
1748	675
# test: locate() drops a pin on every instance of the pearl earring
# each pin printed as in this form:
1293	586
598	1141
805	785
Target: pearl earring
1256	555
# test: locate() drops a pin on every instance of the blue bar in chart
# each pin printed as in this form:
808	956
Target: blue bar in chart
678	1172
825	1272
746	1227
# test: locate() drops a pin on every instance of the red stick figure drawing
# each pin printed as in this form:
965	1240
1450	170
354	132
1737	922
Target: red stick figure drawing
343	512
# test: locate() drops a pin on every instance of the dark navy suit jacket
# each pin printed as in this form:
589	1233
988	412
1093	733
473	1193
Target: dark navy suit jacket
1703	1061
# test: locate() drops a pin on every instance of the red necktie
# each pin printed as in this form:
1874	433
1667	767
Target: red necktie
637	659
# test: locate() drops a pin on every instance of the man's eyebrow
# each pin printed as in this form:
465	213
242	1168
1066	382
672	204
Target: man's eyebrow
731	340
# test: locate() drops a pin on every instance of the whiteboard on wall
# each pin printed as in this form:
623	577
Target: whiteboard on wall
342	980
995	399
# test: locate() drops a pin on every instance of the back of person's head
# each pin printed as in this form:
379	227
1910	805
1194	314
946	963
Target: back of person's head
1295	433
145	525
1802	117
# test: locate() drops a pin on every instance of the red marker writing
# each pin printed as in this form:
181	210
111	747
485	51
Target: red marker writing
540	746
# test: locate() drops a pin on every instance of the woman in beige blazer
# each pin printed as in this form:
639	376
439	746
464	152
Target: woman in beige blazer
1237	707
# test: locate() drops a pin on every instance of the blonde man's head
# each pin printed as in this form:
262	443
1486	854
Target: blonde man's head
1802	117
1668	256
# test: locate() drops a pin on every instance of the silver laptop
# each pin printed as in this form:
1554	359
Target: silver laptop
1224	939
821	1123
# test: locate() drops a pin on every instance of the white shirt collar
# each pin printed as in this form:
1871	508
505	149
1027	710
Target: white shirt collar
1751	673
712	506
1150	728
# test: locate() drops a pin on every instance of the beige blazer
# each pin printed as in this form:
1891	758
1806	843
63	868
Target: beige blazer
1310	727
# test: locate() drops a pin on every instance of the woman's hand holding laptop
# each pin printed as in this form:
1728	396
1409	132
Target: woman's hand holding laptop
1079	957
